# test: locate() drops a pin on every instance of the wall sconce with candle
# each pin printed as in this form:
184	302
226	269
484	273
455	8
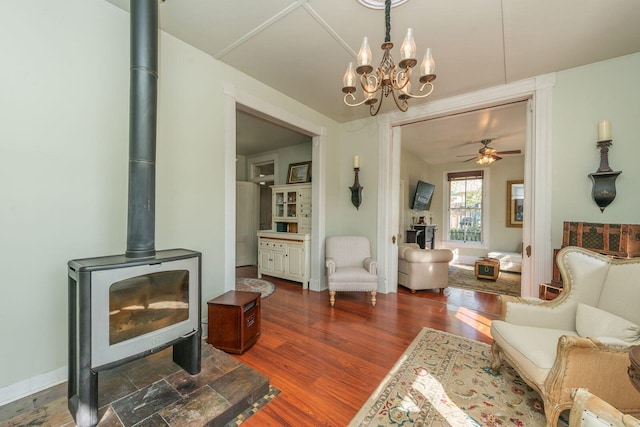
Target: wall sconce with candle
356	189
604	179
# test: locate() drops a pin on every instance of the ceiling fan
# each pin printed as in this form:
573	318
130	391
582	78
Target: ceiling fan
487	155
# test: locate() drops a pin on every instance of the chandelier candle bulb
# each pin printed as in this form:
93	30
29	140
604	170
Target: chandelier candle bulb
428	65
356	162
408	48
405	92
604	130
349	79
364	56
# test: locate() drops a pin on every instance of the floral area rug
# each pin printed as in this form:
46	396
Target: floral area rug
255	285
446	380
463	276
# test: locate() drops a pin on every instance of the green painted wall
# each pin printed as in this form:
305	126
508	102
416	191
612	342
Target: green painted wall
64	155
582	97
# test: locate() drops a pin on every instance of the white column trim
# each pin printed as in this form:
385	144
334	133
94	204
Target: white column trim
230	188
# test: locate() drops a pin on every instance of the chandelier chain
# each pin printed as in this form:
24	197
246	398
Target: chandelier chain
387	20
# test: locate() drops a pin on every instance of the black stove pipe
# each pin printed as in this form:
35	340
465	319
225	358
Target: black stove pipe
143	100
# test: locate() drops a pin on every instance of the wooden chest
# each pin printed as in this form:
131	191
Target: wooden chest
487	268
234	321
621	240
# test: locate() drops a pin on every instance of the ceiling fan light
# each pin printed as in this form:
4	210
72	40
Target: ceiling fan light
485	160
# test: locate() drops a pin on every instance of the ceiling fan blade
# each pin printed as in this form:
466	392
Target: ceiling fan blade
496	157
509	152
467	155
468	160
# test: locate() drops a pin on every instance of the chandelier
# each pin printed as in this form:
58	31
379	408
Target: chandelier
388	78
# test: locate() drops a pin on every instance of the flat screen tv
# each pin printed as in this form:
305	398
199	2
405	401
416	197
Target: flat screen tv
422	197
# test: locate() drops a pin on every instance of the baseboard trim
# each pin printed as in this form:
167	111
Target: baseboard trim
32	385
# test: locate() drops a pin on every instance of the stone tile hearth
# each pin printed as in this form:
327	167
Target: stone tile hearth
153	391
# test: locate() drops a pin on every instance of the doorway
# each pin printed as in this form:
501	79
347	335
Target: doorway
236	100
536	267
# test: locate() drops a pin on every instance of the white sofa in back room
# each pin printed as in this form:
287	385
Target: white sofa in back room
509	261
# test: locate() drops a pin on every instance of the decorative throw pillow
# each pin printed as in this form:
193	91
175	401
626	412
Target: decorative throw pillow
593	322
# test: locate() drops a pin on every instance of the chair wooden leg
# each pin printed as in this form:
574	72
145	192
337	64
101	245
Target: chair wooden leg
332	298
495	350
373	298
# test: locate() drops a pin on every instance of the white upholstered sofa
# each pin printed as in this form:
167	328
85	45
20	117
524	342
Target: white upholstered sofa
579	340
509	261
423	268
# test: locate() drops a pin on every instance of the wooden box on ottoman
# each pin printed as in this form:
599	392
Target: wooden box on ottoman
487	268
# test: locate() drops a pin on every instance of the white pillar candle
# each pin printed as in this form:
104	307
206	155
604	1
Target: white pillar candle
604	130
356	161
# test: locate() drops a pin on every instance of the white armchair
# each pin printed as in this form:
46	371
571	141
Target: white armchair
423	268
350	266
579	340
591	411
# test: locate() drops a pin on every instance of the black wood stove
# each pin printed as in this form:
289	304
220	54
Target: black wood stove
124	307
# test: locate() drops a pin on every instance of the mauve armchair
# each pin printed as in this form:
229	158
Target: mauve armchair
350	266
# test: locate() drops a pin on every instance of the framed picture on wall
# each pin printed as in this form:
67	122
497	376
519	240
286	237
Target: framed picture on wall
299	172
515	203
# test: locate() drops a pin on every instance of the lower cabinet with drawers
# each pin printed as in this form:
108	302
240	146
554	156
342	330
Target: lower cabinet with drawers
285	255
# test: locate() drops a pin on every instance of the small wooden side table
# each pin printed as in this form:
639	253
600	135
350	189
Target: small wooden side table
234	321
634	367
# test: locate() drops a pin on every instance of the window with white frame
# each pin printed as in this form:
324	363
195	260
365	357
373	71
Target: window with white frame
263	169
466	206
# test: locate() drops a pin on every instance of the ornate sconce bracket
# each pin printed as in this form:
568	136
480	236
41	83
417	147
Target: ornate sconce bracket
356	190
604	179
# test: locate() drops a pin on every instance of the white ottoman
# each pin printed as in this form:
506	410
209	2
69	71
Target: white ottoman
509	261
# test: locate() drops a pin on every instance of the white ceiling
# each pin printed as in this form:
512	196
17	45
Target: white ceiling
455	138
256	135
302	47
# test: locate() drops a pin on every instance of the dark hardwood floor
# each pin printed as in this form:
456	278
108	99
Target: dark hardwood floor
327	361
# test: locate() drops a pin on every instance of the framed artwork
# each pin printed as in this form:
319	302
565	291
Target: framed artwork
299	172
515	203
